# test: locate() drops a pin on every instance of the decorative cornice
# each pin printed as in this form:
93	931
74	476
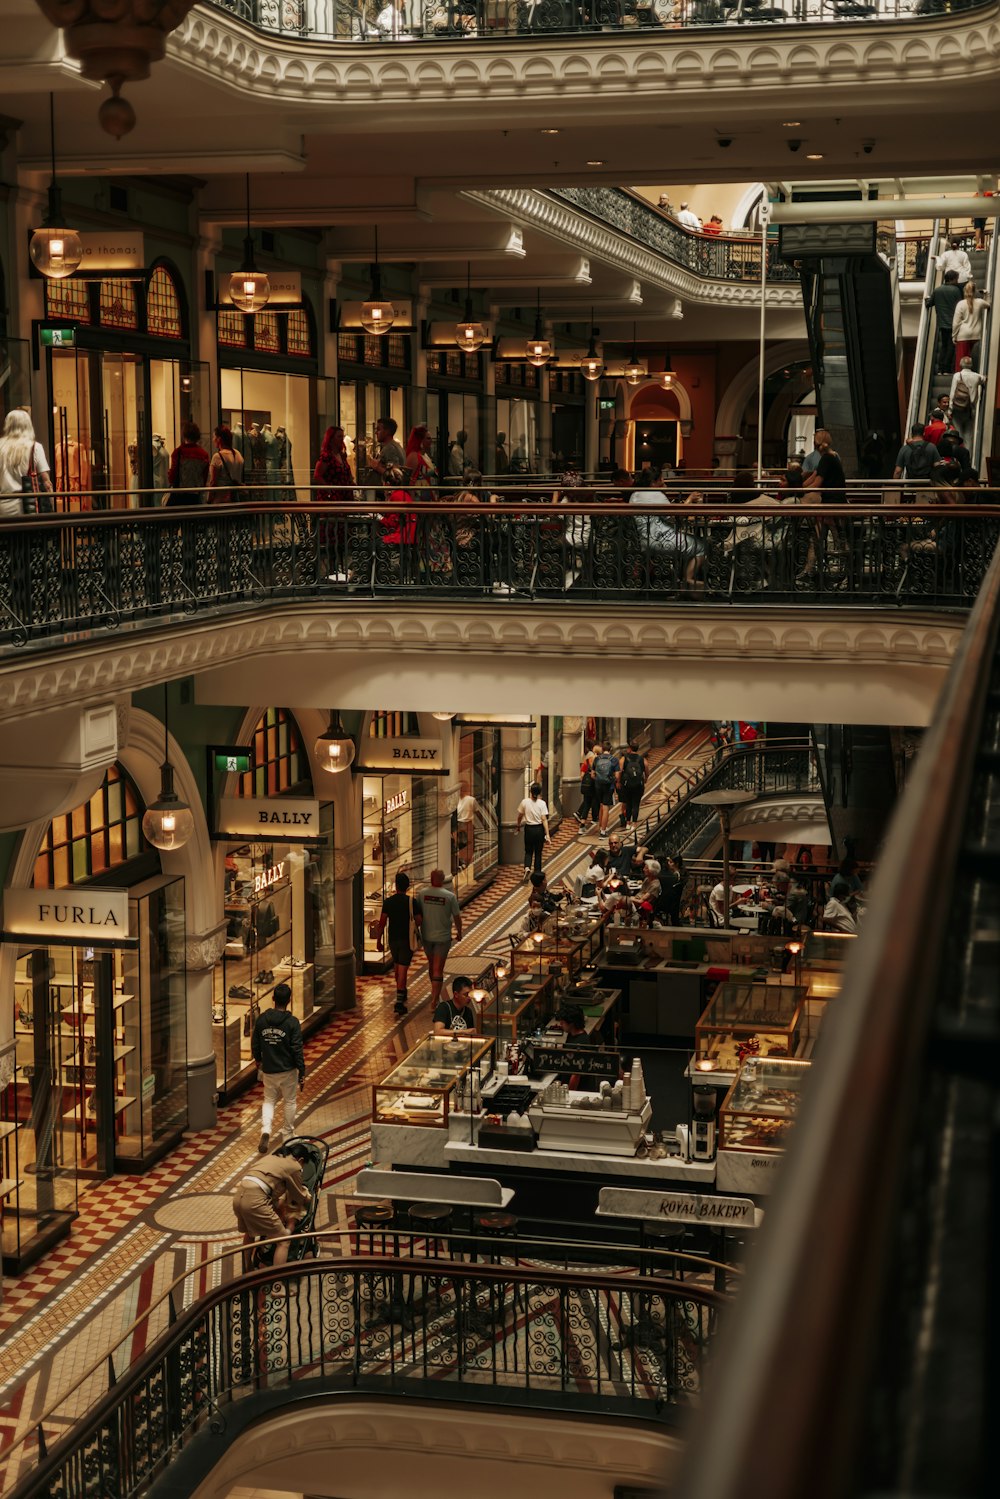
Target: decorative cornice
795	62
348	859
800	809
680	631
560	221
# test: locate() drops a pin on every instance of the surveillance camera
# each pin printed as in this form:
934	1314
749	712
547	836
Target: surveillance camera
793	145
725	141
868	147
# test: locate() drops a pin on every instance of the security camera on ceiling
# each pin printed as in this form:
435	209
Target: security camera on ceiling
793	145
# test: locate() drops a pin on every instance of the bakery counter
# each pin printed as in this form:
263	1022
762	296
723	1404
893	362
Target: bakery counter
609	1168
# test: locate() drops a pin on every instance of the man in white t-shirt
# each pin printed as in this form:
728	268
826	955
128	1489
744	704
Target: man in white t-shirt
955	259
465	819
688	218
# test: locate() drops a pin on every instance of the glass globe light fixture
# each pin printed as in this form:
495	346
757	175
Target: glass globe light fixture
377	315
335	750
634	371
666	375
443	717
539	349
249	289
55	250
469	335
592	365
168	822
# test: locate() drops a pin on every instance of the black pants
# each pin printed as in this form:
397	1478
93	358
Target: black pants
945	352
588	803
534	841
630	797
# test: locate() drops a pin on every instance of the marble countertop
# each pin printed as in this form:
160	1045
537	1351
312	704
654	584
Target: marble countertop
611	1167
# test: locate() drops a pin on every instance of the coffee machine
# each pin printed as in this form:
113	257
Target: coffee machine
704	1103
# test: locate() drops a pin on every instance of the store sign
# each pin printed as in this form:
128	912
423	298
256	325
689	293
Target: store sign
394	803
112	250
678	1207
91	915
405	755
286	290
268	878
248	816
349	319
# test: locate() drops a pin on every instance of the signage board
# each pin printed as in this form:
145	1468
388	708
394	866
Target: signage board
404	756
286	290
229	759
349	316
57	338
110	251
73	915
678	1207
263	816
573	1059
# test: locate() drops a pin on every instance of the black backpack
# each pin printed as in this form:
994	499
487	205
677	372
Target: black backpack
604	768
633	773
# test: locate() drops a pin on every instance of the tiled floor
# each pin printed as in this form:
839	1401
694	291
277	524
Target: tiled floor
134	1237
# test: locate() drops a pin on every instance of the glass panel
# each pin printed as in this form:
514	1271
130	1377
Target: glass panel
475	823
298	338
119	443
68	299
271	418
73	454
163	307
178	393
265	333
117	306
231	329
15	376
151	1025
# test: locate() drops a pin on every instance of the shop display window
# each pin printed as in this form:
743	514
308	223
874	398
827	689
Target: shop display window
427	1086
476	819
153	1037
774	1016
761	1106
399	817
270	413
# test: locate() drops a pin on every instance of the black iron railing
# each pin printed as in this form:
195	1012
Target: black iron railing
61	573
577	1341
387	21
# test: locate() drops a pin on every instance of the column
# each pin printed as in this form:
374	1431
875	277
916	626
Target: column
418	402
203	950
570	755
515	759
205	340
544	418
328	334
657	733
348	857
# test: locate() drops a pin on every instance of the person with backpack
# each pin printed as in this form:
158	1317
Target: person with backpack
276	1046
605	775
965	388
586	816
189	464
916	457
632	773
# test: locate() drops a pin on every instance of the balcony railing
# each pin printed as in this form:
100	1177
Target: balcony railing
62	573
381	22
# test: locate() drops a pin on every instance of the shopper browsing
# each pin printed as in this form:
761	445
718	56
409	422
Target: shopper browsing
276	1045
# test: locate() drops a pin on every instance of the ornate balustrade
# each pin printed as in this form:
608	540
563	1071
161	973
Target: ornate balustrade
63	573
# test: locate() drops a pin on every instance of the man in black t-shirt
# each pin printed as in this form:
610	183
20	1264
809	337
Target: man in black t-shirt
400	917
571	1021
457	1015
828	478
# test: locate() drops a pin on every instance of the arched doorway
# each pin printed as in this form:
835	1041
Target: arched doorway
653	437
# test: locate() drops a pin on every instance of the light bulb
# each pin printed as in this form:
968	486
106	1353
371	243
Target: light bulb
55	252
470	336
334	750
168	822
377	317
249	290
591	368
539	351
667	379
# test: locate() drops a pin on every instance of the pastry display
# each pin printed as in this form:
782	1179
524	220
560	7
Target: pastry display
761	1106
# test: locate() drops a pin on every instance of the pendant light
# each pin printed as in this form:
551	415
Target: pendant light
667	374
168	822
335	749
469	335
55	250
539	349
249	288
378	315
592	365
443	717
634	371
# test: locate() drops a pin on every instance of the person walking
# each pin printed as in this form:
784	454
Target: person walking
436	911
605	773
189	465
588	791
276	1045
967	325
399	915
673	889
944	299
533	813
955	259
225	471
632	774
965	390
22	458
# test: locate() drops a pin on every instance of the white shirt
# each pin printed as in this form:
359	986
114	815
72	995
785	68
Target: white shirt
969	378
466	809
11	483
692	221
717	901
955	260
533	812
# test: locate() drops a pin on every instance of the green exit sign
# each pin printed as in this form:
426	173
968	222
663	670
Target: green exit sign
58	338
235	760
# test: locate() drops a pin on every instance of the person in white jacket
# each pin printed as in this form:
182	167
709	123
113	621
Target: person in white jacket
967	325
955	259
963	410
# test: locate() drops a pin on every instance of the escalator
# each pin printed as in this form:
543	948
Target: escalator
851	298
858	772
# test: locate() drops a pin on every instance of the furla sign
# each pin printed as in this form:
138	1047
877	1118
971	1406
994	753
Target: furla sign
252	816
77	915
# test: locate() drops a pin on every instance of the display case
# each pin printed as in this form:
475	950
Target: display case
568	946
761	1106
433	1081
273	904
399	816
520	1008
823	962
775	1014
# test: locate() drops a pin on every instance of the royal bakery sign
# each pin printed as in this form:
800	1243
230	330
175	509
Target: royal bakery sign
678	1207
75	915
290	817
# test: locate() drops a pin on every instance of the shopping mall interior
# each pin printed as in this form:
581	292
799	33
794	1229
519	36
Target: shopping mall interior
499	748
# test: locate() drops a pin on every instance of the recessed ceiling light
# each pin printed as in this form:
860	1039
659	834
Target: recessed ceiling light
790	124
550	131
595	163
814	156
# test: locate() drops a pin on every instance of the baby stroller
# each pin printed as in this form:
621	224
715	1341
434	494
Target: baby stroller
312	1156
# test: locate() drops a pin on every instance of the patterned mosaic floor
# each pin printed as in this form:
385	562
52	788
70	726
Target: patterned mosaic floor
135	1237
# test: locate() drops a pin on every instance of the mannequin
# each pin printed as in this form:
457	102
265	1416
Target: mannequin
161	464
272	462
73	471
241	443
258	456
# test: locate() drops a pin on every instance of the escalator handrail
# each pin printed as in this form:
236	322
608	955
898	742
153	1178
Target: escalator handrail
920	384
987	396
793	1364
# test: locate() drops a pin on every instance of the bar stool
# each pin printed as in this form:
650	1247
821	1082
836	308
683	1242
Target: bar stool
433	1222
498	1230
373	1223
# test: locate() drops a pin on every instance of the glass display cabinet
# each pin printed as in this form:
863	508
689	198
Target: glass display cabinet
775	1013
520	1008
424	1088
761	1106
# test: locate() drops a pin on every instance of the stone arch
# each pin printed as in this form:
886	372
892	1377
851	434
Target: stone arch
745	382
651	386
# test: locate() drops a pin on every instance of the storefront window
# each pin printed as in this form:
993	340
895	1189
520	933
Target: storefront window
299	339
475	822
93	838
163	307
400	821
68	299
517	434
117	306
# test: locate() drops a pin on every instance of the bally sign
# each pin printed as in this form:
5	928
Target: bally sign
678	1207
247	816
78	915
412	756
286	290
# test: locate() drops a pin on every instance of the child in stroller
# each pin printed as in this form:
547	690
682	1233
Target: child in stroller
311	1155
